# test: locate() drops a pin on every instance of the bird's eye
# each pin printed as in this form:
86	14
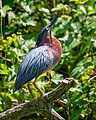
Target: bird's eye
47	28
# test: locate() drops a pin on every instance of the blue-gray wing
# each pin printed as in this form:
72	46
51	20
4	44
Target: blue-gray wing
36	62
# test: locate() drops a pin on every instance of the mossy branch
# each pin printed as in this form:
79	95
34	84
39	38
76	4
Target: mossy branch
39	105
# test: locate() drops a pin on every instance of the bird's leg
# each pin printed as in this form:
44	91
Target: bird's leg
28	85
34	83
49	77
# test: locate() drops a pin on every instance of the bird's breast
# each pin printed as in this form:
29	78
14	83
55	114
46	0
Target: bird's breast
56	50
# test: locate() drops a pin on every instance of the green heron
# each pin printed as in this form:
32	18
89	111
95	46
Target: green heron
42	58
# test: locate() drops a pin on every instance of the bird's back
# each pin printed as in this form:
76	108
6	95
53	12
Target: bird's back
36	62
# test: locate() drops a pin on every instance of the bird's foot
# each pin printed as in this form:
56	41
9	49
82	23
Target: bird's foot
41	93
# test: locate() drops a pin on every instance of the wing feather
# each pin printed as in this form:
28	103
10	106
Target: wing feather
36	62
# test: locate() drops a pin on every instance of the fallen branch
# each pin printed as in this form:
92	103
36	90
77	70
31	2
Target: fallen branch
39	105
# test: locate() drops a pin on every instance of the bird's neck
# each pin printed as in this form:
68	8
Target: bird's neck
56	48
54	45
47	39
50	41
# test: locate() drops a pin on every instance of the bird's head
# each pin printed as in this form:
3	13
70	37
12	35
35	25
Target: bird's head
45	31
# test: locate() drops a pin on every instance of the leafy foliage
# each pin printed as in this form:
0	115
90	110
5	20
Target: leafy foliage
21	22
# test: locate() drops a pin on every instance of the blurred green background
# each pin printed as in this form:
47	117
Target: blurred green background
20	22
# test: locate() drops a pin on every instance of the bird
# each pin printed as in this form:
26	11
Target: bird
43	57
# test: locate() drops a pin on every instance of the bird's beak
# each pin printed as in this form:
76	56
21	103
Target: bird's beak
51	25
53	20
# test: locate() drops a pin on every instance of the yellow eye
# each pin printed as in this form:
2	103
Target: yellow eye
47	28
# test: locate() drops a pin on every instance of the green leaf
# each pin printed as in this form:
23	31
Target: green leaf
1	109
11	16
4	72
10	29
4	10
91	12
83	9
75	90
85	77
76	70
76	114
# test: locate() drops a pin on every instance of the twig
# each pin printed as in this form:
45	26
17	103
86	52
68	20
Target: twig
56	115
92	78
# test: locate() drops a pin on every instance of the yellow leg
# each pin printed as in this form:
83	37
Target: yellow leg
28	85
34	83
48	75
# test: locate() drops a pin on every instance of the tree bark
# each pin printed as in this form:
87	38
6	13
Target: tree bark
40	105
